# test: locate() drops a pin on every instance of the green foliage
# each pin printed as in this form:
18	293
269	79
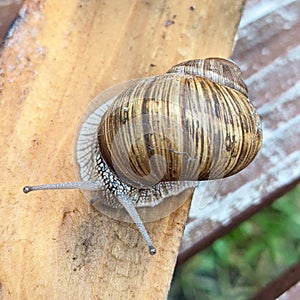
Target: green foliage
246	259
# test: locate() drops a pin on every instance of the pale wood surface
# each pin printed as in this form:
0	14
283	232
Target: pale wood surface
53	245
268	51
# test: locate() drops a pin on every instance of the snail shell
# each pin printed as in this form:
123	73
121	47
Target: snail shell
90	167
158	136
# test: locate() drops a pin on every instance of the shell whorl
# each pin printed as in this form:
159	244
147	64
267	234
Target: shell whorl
218	70
193	123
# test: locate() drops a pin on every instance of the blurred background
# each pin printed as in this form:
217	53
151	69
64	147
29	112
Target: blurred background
239	264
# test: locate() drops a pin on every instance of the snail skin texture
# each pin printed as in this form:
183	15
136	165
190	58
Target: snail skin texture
154	138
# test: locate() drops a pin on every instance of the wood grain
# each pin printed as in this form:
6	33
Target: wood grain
53	244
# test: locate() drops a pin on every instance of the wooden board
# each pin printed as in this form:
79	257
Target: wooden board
53	245
268	51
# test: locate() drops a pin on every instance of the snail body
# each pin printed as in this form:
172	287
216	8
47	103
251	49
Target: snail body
159	136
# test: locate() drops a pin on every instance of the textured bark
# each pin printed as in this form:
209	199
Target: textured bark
53	245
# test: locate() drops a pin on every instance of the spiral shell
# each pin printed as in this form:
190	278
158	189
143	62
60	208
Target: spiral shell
193	123
157	137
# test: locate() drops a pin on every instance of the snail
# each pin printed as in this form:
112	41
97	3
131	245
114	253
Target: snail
156	137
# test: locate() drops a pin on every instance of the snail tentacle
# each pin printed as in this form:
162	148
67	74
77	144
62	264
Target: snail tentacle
82	185
128	205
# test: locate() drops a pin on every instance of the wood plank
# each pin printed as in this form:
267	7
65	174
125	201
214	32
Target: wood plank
268	51
58	58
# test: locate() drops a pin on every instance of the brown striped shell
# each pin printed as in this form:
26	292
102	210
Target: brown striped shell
142	143
193	123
